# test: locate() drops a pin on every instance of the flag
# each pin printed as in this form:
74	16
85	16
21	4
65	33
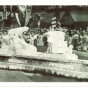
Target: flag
4	8
53	22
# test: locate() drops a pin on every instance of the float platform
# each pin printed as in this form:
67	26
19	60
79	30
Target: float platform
47	63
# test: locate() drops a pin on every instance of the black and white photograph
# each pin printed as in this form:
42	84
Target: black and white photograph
44	43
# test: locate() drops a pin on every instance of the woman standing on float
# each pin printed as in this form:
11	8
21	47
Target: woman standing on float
50	39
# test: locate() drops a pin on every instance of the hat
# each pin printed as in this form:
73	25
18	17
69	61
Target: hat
76	35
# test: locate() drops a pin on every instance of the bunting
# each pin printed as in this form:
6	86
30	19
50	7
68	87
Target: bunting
17	17
28	16
11	11
1	15
4	8
26	11
12	14
22	8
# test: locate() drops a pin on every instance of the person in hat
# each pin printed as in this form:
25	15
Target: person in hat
75	41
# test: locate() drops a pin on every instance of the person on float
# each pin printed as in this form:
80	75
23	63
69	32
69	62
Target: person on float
32	38
45	38
50	39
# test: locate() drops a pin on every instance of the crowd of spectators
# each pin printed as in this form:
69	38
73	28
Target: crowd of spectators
78	38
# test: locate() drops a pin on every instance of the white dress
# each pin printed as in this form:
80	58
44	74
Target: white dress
50	37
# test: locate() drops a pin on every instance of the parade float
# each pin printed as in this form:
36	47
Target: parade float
16	54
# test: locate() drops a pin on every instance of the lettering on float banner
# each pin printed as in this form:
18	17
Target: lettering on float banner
62	65
14	60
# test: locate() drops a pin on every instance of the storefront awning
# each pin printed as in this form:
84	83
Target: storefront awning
74	16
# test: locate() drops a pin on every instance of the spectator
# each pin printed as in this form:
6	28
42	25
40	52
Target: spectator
75	41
